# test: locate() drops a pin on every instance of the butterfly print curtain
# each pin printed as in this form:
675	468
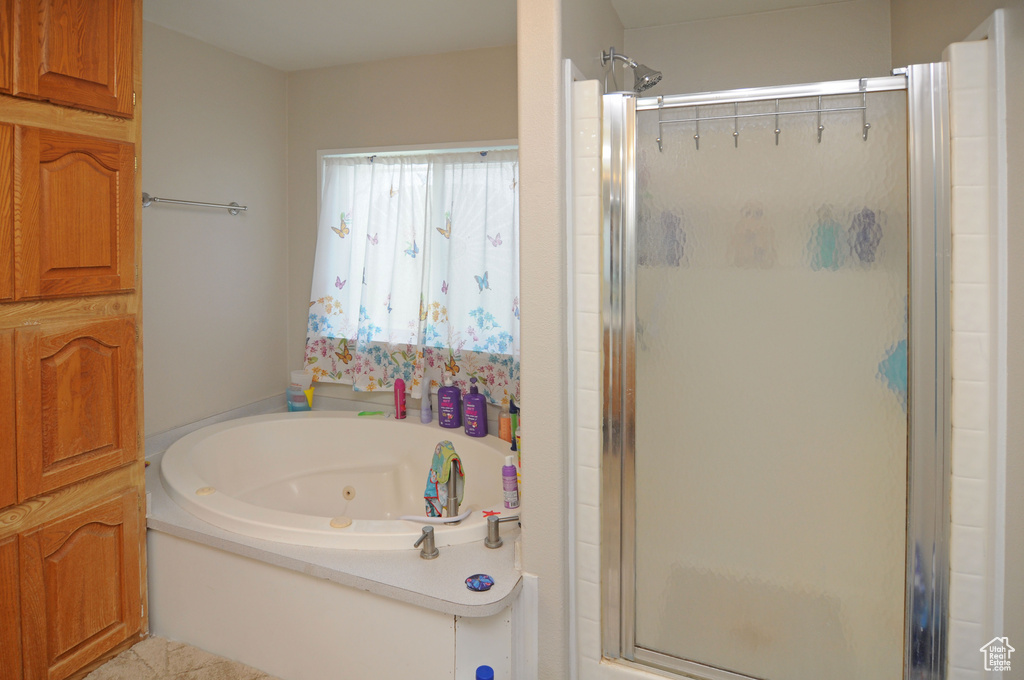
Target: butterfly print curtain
417	272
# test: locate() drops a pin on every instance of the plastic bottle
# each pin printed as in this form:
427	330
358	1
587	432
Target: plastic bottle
510	483
399	399
476	411
449	404
426	414
504	426
484	673
513	414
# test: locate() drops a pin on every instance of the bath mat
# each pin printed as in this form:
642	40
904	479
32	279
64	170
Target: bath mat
157	658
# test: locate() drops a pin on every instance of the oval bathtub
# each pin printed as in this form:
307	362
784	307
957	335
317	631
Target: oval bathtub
285	476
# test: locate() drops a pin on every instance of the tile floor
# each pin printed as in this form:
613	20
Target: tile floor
157	658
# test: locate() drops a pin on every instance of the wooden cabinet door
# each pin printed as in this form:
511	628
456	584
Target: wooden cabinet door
74	214
76	411
6	210
6	36
80	587
75	52
8	458
10	610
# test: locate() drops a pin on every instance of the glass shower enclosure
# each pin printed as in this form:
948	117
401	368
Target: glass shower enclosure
775	370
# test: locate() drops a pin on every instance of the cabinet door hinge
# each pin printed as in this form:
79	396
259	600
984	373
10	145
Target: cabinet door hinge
133	98
136	164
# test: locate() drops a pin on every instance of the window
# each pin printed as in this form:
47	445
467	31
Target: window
417	270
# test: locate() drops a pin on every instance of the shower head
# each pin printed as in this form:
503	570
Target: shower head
644	77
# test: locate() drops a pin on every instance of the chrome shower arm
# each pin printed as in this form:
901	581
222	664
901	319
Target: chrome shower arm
611	55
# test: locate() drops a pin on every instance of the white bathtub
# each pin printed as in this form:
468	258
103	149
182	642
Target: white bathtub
284	476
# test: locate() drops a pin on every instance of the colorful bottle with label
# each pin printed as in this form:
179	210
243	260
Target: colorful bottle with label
399	399
476	411
510	483
449	404
513	414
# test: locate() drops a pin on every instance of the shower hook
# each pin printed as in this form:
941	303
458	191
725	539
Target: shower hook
696	117
777	129
864	115
821	128
735	125
661	102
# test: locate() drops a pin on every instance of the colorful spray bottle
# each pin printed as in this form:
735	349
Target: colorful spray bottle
399	399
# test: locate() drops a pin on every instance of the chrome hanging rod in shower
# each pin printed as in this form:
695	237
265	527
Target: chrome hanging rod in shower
753	94
756	115
736	115
766	94
232	207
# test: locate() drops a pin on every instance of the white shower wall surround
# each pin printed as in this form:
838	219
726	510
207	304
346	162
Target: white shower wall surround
586	249
972	536
971	582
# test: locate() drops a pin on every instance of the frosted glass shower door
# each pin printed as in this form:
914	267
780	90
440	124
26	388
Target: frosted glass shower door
771	389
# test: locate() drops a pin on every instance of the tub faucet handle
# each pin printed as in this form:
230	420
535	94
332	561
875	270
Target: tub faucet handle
429	551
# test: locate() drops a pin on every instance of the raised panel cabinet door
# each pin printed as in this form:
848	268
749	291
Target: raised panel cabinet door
75	52
76	407
6	35
8	452
74	214
6	210
80	587
10	610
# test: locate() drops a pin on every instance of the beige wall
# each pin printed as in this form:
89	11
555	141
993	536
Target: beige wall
589	27
803	45
921	29
543	326
453	97
213	129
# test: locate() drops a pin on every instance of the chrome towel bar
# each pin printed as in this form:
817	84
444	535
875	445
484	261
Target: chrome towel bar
232	207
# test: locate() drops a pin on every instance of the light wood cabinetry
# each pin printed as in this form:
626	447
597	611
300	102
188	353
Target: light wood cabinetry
10	610
6	63
6	211
8	452
76	402
75	52
67	246
80	592
72	524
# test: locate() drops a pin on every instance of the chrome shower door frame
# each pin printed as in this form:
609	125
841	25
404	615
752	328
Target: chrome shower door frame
928	469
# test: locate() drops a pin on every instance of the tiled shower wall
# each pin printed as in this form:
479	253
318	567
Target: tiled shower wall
586	249
973	347
971	586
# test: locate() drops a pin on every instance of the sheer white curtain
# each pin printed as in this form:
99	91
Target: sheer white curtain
417	266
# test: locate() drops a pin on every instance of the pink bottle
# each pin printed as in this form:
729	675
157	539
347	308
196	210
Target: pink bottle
399	399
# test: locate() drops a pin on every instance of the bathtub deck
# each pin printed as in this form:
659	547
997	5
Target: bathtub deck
437	584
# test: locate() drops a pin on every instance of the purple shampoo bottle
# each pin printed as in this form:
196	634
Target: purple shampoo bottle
449	404
476	411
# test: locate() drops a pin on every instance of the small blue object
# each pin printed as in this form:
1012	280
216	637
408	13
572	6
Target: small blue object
484	673
479	583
